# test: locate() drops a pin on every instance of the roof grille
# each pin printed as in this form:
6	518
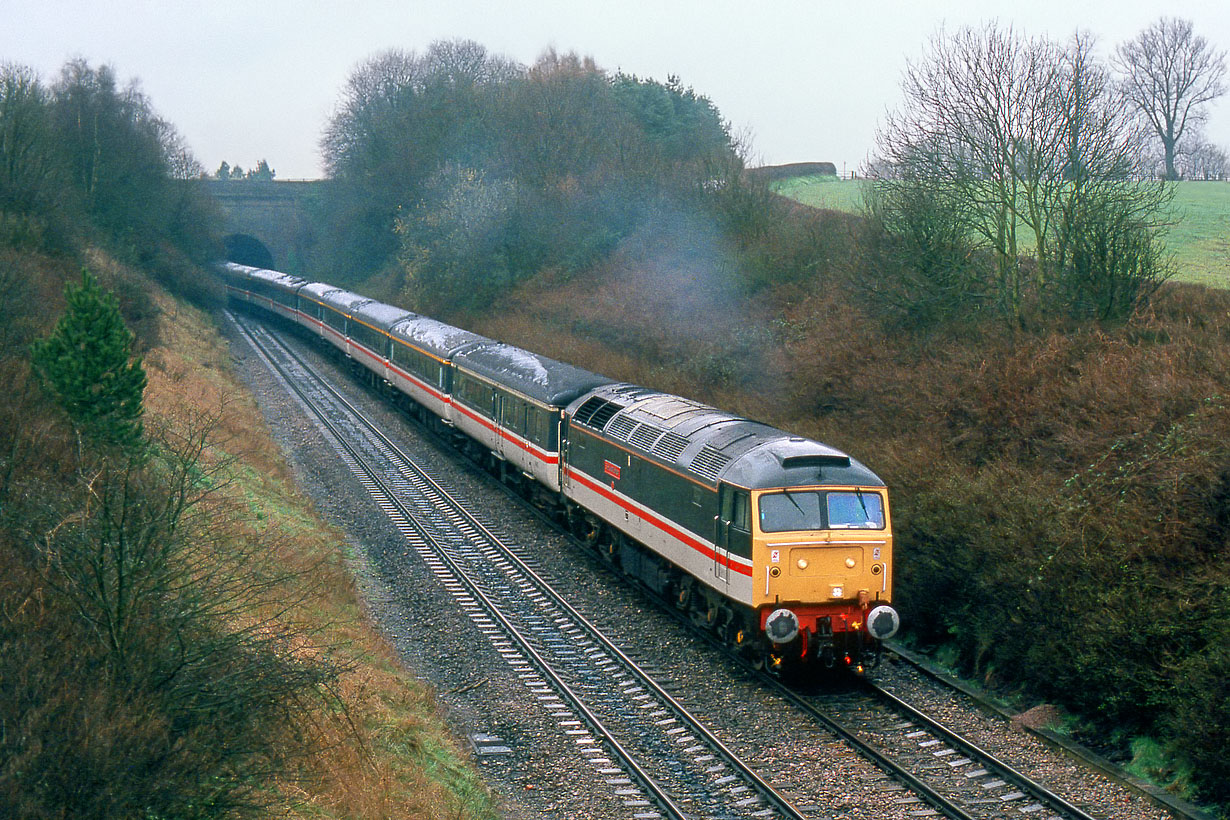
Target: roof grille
596	412
621	428
708	463
670	446
645	435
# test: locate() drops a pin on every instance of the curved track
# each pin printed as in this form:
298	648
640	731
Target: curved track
672	762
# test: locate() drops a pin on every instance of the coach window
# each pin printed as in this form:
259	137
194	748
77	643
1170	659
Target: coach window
514	414
535	429
479	395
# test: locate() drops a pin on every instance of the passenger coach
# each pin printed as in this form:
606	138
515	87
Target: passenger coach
511	402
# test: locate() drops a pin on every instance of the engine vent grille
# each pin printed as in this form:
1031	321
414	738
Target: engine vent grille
645	436
670	446
708	463
621	428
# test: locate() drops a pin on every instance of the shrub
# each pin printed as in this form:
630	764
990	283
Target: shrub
139	678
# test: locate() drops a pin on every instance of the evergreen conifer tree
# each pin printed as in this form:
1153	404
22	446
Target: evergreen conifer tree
87	364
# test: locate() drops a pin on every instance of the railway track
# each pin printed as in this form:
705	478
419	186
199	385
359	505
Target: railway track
660	761
1077	756
639	738
947	774
951	772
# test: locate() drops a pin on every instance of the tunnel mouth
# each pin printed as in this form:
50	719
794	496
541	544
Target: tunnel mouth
245	249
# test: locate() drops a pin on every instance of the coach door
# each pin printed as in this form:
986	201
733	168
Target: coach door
509	413
498	402
734	535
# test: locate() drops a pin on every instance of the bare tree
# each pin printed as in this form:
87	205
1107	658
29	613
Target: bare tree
1011	150
1202	160
959	137
28	164
1170	75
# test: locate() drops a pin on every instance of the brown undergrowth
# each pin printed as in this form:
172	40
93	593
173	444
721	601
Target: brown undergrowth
1061	495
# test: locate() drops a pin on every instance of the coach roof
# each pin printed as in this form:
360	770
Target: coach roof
378	314
343	300
546	380
436	337
285	281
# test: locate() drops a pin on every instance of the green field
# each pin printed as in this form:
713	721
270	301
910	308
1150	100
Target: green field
823	192
1199	239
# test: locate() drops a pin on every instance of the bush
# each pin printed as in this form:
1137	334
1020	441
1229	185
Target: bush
138	678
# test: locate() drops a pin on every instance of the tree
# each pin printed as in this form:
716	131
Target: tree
402	119
262	172
1009	150
577	160
1170	75
87	364
1202	160
112	143
162	672
29	167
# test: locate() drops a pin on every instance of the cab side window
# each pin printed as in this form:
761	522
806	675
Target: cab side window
741	518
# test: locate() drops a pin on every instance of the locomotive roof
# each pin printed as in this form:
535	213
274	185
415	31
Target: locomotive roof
436	337
545	380
712	444
378	314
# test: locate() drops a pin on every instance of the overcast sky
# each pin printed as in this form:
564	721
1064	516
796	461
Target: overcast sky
242	81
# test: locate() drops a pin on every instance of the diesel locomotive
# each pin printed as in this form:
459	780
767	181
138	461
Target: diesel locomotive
782	546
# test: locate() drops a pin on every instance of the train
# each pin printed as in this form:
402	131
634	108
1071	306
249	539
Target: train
779	545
